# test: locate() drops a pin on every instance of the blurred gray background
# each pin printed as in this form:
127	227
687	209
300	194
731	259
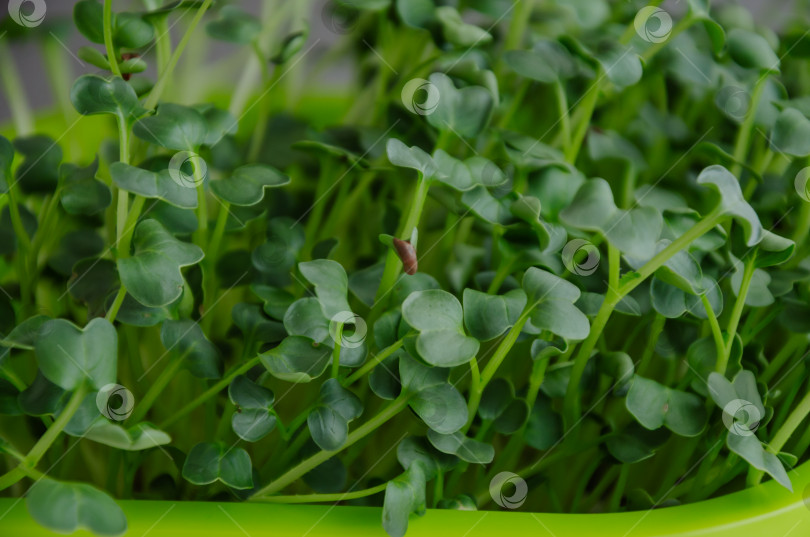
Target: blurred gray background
29	61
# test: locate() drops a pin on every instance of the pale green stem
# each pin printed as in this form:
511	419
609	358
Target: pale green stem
744	133
46	440
572	409
112	57
717	334
210	392
736	313
784	433
393	265
308	464
160	85
371	364
321	498
15	94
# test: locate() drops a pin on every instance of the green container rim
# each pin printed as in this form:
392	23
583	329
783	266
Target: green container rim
767	510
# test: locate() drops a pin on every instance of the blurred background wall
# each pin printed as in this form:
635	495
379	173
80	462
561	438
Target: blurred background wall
29	61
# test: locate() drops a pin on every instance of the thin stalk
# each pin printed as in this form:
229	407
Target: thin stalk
336	352
783	434
802	228
157	387
23	245
717	334
112	57
160	85
515	105
744	133
572	404
494	363
124	245
655	48
794	343
736	313
518	24
257	140
393	265
321	498
210	392
649	350
46	440
588	104
565	118
15	94
371	364
308	464
319	202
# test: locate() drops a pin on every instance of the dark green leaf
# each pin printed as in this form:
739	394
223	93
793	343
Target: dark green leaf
208	462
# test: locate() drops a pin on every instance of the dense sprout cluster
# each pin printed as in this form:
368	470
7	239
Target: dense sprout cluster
554	246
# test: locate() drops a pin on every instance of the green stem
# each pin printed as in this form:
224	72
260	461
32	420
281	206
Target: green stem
23	245
794	343
336	352
588	105
308	464
717	334
736	313
784	433
320	498
160	85
219	231
46	440
744	133
210	392
112	57
124	245
15	94
655	48
649	350
494	363
565	118
572	403
157	387
371	364
393	265
517	26
260	129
